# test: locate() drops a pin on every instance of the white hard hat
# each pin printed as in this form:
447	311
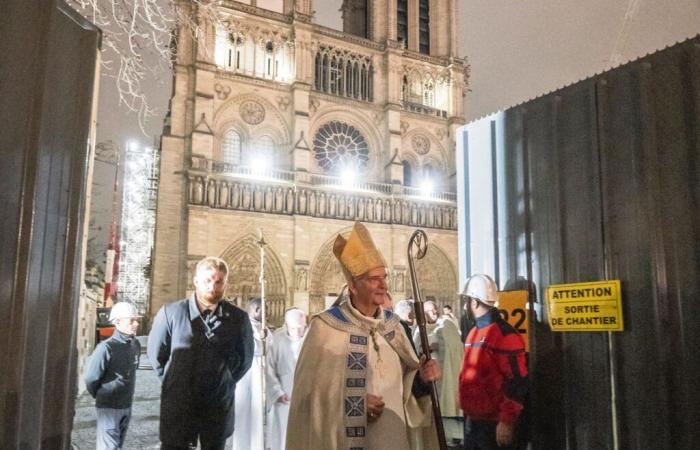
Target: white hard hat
482	288
123	310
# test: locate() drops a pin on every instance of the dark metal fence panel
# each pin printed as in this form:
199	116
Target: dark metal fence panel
49	64
557	226
601	180
649	147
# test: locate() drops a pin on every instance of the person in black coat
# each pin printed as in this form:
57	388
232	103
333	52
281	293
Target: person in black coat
200	347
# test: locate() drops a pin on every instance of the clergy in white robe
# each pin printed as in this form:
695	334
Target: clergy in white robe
248	425
281	363
358	382
447	347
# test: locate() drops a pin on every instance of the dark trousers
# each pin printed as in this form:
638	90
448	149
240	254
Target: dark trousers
481	435
206	443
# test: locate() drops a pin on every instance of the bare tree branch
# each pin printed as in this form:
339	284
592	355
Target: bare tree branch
137	41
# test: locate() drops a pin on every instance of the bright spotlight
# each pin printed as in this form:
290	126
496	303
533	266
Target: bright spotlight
258	165
426	187
349	176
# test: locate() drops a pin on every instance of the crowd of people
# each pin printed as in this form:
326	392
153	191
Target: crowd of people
355	378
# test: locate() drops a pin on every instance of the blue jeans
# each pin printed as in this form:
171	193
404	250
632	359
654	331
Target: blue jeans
481	435
111	428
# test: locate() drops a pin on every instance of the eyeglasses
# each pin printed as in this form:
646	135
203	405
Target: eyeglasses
377	279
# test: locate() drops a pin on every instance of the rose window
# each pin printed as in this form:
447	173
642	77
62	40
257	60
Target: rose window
338	145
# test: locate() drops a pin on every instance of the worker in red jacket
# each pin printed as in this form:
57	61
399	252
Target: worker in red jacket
493	380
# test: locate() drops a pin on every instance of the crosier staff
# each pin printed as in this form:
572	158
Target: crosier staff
263	363
419	242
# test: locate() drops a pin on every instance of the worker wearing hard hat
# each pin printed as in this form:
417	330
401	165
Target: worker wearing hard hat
110	377
493	380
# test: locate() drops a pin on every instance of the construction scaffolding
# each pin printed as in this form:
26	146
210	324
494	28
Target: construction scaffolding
140	189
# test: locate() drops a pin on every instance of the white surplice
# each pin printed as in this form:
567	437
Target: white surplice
281	361
248	426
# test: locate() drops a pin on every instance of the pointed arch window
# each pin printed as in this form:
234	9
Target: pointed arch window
319	72
424	26
431	173
231	148
402	21
344	75
429	94
265	148
407	173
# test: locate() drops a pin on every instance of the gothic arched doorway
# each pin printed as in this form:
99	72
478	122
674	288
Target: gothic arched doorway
243	258
436	278
326	276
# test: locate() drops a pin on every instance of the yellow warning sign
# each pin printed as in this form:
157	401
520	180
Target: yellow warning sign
513	308
595	306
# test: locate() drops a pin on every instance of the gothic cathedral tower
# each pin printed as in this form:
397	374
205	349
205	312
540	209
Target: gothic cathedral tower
282	125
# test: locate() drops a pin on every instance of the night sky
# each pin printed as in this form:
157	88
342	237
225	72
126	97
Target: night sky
518	50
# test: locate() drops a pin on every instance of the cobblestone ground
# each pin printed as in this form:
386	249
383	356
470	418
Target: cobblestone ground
143	429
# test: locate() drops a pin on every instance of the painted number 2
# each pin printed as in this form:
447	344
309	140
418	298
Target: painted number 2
518	315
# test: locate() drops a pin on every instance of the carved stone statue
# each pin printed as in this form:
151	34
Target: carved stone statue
259	199
279	199
332	205
312	203
302	202
290	201
341	207
211	193
268	199
361	209
302	279
351	208
322	204
398	281
198	191
223	194
235	195
245	204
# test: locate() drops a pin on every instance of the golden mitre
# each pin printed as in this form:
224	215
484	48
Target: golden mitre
358	254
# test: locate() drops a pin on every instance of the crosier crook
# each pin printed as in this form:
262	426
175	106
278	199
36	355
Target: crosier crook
419	241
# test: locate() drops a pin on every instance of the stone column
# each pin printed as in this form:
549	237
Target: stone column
301	88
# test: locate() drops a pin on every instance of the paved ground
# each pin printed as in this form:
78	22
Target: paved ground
143	430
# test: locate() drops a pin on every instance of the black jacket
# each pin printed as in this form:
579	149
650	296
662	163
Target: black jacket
199	362
110	376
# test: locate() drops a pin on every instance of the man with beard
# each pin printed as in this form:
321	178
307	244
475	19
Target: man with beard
281	363
359	383
200	347
493	380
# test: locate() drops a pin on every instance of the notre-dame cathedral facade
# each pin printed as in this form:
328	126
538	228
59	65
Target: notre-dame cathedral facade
282	125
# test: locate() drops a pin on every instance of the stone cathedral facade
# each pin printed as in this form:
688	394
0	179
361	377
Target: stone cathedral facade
282	126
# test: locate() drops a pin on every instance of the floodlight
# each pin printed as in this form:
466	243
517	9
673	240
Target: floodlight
427	187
